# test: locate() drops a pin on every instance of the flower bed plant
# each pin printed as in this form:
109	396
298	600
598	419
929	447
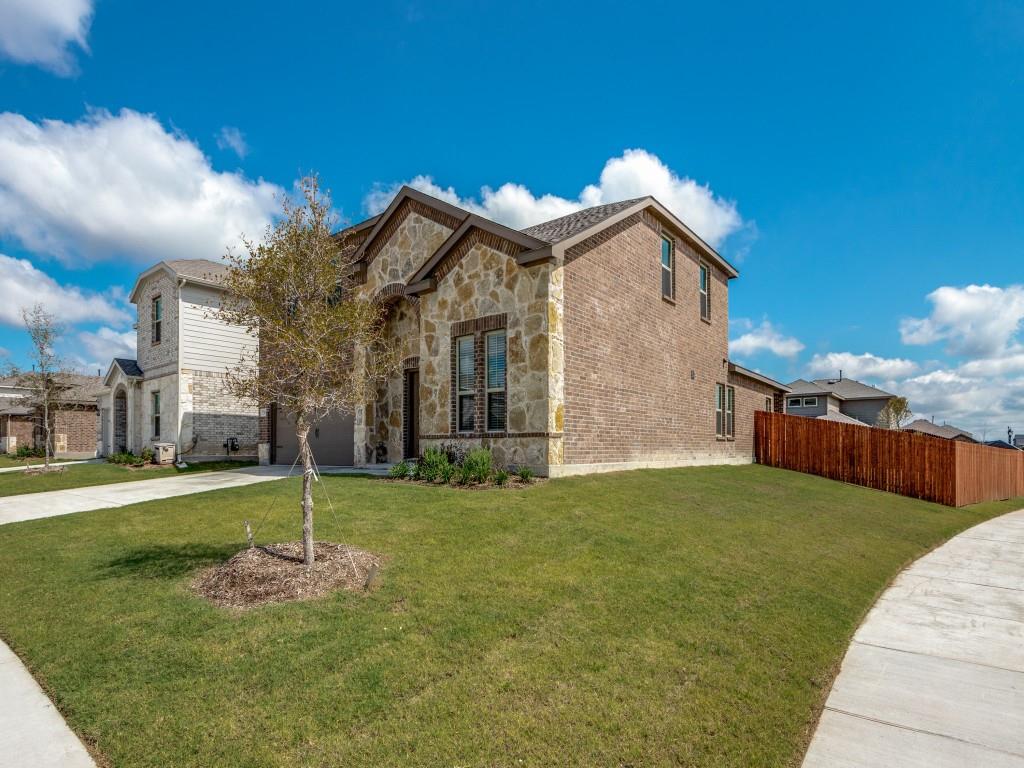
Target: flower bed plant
453	465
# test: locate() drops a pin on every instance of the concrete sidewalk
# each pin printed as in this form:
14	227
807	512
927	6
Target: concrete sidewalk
32	731
934	677
54	464
31	506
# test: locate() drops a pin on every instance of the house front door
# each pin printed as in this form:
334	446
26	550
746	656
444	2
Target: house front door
411	437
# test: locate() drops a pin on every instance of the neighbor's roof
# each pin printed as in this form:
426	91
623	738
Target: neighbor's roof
739	369
947	431
563	227
1001	444
78	388
842	418
841	389
204	271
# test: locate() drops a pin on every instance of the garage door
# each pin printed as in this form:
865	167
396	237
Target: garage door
331	440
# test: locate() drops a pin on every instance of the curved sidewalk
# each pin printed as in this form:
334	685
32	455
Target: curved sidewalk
934	677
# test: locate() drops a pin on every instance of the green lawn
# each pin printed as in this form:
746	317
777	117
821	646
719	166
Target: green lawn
6	460
81	475
666	617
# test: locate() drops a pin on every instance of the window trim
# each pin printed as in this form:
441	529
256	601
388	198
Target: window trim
156	319
703	269
671	268
154	402
730	412
810	402
488	390
720	410
794	402
459	391
769	403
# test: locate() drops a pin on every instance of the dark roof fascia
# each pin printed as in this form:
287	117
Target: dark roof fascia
472	221
406	193
822	393
739	369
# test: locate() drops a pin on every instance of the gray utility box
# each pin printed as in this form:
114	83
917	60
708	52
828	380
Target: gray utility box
163	453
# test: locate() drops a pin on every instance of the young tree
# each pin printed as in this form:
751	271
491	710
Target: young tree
322	347
895	414
47	382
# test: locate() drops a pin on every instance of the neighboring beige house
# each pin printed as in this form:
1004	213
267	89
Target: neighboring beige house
842	399
948	431
174	391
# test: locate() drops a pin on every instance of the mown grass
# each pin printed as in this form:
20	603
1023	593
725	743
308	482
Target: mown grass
82	475
7	460
666	617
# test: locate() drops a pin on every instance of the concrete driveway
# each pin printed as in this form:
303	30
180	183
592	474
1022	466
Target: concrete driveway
31	506
934	677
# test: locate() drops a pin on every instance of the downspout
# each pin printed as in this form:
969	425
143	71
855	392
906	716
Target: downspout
177	351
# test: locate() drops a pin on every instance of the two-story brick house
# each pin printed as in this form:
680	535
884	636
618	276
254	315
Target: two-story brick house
593	342
175	391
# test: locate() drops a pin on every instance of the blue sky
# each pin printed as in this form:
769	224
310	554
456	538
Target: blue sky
862	167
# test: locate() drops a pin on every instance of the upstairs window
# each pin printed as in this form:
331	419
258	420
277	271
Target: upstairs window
495	380
156	414
156	316
465	383
705	293
668	258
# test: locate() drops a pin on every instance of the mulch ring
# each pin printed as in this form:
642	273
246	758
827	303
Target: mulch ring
276	574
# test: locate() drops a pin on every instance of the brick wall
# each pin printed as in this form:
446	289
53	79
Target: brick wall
218	415
79	424
154	357
640	371
21	428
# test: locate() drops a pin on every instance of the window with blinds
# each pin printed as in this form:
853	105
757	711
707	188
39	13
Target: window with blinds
705	292
465	383
494	346
668	257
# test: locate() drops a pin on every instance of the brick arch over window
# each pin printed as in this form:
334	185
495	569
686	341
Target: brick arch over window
392	292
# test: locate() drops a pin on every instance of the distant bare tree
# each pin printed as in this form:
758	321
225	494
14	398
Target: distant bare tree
322	348
895	414
48	380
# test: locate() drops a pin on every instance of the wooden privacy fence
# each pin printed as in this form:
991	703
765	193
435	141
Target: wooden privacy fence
950	472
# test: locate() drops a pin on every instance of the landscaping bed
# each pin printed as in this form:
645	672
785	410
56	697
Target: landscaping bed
659	617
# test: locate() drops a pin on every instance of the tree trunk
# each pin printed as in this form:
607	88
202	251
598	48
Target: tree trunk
46	434
302	433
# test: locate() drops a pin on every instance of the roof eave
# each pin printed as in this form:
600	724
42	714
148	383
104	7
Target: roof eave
739	369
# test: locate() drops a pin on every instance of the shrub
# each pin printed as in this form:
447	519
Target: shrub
525	474
147	456
463	475
478	465
501	478
125	457
400	471
454	452
448	473
431	466
30	452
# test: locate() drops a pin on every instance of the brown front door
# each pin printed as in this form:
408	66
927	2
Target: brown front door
411	443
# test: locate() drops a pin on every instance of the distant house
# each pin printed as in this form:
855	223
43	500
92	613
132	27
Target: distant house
1018	441
73	424
834	399
1001	444
948	431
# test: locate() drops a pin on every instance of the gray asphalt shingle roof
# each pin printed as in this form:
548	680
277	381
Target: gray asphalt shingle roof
947	431
130	367
564	227
199	269
844	389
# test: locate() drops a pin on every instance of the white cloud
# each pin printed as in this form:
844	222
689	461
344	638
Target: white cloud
233	139
43	32
105	343
765	338
121	185
635	174
866	366
984	406
22	284
977	321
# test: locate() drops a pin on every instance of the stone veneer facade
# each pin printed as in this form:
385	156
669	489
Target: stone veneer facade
602	372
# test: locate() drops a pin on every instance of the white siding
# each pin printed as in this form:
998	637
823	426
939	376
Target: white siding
208	343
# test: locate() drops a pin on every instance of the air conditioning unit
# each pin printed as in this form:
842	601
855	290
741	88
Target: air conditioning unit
163	453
